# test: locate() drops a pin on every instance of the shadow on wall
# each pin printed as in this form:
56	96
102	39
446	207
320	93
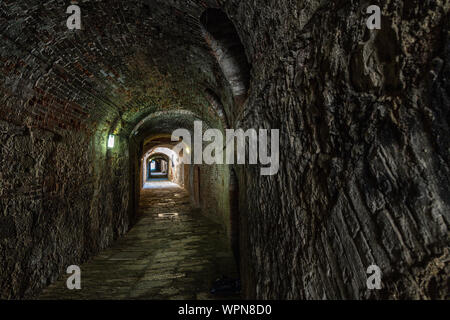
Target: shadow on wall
221	35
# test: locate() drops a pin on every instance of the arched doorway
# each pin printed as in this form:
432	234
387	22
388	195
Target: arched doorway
157	168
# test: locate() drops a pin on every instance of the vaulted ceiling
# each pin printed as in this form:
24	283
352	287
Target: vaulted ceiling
130	59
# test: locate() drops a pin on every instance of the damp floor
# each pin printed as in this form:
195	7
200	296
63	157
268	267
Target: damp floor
172	253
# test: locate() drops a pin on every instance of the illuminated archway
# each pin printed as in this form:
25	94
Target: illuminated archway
171	157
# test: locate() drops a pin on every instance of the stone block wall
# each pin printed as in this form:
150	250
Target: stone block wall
63	198
214	194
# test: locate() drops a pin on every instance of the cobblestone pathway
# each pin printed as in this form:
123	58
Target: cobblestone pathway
173	252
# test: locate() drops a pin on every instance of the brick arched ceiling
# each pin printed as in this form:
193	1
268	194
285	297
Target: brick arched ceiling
130	59
164	123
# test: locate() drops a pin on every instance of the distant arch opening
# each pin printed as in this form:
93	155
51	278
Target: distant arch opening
160	164
157	168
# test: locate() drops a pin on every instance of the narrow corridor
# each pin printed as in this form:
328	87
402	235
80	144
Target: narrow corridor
303	145
173	252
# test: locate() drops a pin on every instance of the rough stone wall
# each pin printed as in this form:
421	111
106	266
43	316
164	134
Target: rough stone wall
214	194
186	173
62	199
178	174
364	169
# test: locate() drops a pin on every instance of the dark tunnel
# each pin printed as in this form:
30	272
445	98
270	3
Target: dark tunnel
313	147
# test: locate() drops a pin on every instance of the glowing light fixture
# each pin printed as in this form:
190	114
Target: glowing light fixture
188	150
111	139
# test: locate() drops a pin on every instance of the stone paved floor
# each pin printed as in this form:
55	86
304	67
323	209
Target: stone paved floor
159	183
173	252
